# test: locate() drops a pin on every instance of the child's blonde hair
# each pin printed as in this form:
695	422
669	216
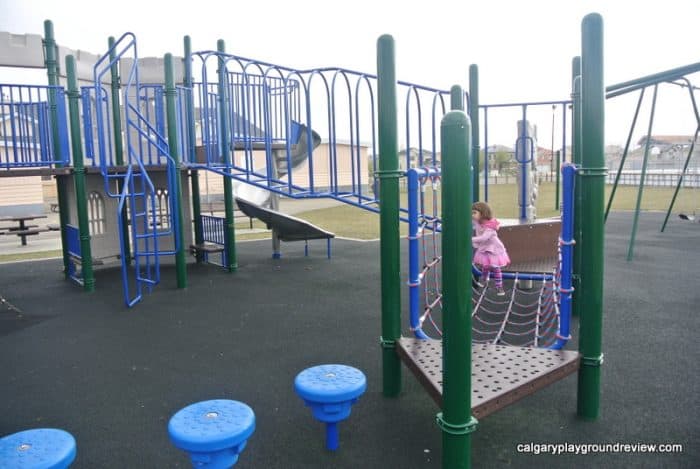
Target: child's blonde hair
484	209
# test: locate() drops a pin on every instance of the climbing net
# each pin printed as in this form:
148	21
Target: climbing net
527	315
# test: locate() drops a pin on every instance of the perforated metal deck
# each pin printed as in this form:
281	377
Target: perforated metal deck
501	374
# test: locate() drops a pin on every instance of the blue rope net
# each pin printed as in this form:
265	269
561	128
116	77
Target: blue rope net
527	315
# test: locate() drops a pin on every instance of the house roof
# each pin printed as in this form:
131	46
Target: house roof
667	139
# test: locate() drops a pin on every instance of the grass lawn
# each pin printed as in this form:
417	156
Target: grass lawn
352	222
25	256
356	223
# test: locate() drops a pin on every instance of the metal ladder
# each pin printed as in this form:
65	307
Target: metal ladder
149	219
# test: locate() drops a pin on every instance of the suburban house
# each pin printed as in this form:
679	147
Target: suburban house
665	152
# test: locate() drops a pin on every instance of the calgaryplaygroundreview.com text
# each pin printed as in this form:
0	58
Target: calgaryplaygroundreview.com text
593	448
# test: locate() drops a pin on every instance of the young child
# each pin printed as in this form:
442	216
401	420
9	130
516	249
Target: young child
489	253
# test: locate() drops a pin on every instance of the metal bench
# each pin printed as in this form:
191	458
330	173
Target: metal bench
28	232
208	248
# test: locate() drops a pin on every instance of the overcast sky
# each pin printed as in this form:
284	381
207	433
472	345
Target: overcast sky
523	49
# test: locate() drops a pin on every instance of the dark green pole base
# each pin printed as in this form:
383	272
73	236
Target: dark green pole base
588	402
391	369
456	442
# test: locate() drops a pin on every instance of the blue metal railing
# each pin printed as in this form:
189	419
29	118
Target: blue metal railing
524	144
26	139
151	106
264	102
90	128
143	115
213	229
74	251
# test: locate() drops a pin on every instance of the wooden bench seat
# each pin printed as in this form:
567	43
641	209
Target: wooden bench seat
14	228
28	232
209	248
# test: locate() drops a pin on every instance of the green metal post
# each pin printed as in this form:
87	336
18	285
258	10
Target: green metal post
389	215
456	420
51	62
171	111
592	182
624	154
474	117
680	179
576	159
229	231
118	140
191	136
557	170
456	98
642	177
116	108
79	175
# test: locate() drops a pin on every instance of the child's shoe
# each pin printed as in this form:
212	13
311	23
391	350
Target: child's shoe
500	291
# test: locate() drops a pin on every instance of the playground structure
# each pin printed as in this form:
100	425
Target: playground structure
212	134
244	120
268	118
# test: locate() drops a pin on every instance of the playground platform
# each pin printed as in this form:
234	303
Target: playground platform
113	376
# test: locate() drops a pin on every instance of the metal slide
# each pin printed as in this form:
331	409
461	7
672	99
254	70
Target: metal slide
298	154
288	227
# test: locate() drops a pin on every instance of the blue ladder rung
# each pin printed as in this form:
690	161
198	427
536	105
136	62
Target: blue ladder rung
157	253
146	280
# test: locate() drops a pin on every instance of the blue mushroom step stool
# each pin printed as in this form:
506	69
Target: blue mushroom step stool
330	391
213	432
40	448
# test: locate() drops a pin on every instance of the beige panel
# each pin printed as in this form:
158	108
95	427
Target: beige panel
21	50
21	190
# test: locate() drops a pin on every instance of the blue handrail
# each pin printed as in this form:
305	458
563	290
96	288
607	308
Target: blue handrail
143	140
26	138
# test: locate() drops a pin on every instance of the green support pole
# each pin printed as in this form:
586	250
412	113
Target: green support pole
642	177
456	98
229	230
557	170
474	118
171	111
116	109
79	177
389	244
592	182
456	420
118	141
191	136
51	62
576	159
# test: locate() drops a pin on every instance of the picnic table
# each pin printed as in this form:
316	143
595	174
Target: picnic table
21	228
